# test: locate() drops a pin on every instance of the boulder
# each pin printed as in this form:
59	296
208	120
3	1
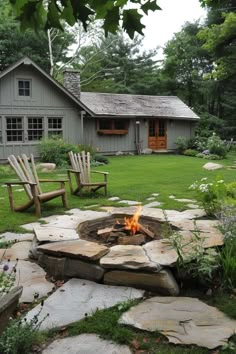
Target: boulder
212	166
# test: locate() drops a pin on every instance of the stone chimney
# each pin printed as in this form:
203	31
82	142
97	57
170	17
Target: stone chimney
71	81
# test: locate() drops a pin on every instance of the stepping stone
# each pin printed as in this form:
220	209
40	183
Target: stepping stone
151	198
32	277
11	236
183	320
129	202
182	200
78	298
193	206
80	249
19	250
152	205
114	198
128	257
31	226
155	194
212	166
52	234
85	344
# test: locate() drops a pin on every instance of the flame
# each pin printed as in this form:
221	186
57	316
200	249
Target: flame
132	222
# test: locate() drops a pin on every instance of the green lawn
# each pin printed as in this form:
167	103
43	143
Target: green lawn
131	177
134	178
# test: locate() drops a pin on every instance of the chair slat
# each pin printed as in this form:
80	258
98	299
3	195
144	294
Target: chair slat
35	173
20	173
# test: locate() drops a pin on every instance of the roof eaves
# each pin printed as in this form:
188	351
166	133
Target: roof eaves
27	61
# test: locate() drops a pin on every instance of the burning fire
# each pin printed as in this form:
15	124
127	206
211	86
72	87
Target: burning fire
131	223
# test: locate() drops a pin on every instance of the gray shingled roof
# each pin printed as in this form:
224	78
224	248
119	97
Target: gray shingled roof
108	104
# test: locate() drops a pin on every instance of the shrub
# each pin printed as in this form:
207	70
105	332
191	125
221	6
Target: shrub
212	157
101	158
216	145
20	335
227	218
190	152
211	195
55	150
181	144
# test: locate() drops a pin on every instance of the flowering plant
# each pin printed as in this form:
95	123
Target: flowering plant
210	194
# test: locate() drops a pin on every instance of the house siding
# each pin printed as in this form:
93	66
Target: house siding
46	101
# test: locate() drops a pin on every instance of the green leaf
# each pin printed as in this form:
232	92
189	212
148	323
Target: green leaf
68	14
53	18
111	22
150	5
132	23
81	12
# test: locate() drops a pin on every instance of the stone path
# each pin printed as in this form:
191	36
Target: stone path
180	319
183	320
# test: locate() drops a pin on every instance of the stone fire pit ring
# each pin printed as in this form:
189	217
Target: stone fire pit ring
64	255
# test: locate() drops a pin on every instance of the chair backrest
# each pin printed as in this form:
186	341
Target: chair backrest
81	162
24	171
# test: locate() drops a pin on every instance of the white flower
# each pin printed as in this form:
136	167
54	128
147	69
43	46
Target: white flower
203	188
193	186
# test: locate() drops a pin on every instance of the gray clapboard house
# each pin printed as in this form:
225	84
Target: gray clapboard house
33	105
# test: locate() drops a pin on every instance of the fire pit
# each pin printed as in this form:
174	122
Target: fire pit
121	229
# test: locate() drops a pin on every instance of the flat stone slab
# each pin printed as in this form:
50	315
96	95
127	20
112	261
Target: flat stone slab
212	166
78	298
31	226
129	202
19	250
162	282
161	252
75	249
32	277
208	239
53	234
128	257
152	205
183	320
85	344
11	236
185	200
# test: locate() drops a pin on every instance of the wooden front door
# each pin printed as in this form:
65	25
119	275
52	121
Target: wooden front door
157	134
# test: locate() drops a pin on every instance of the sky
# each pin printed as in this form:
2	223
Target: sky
161	25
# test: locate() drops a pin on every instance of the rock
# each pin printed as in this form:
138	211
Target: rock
129	202
32	277
85	344
8	304
152	205
80	249
212	166
161	252
33	252
146	151
52	234
78	298
19	250
54	266
119	153
162	282
114	198
128	257
184	200
46	167
11	236
183	320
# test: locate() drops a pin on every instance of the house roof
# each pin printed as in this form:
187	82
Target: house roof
27	61
126	105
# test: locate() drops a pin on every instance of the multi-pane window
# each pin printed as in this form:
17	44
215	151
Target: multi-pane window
35	128
161	128
112	126
54	126
0	130
24	87
14	128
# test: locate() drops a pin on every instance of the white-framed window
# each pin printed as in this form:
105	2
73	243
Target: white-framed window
0	130
14	129
35	128
24	87
55	126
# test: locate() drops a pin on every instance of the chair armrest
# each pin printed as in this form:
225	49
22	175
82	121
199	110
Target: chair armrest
20	183
101	172
73	171
53	180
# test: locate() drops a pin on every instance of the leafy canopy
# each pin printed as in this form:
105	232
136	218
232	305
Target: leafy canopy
52	13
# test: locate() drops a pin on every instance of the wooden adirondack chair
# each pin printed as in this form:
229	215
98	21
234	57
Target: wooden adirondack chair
80	163
29	180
